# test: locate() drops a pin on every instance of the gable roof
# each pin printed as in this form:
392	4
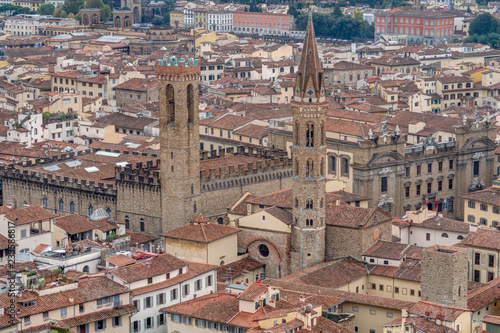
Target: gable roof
27	215
202	232
355	217
74	224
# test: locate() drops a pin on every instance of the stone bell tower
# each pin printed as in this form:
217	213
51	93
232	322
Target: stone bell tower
309	108
179	140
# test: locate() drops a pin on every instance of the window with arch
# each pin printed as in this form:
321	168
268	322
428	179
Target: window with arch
296	202
345	167
309	204
85	269
332	164
310	135
190	104
72	207
45	202
460	237
35	131
310	168
127	222
61	205
309	222
220	220
91	209
444	235
322	203
170	104
108	212
142	225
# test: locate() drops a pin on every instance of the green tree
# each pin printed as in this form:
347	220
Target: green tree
337	12
357	15
71	15
46	9
483	24
73	6
64	14
57	12
94	4
105	13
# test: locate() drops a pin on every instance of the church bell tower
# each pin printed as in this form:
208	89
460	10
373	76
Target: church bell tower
179	140
309	108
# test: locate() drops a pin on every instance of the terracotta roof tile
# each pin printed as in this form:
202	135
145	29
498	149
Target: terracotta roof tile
89	288
482	237
330	274
485	295
237	268
491	196
162	264
254	291
74	224
355	217
138	84
202	233
423	308
120	260
194	269
27	214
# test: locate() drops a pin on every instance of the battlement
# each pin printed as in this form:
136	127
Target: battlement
12	173
272	160
177	66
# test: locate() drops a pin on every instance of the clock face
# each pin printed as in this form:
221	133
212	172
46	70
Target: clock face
310	92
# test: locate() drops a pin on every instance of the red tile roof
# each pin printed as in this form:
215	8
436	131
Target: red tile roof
162	264
27	214
431	310
89	289
355	217
330	274
253	292
194	269
484	238
74	224
484	296
120	260
237	268
202	233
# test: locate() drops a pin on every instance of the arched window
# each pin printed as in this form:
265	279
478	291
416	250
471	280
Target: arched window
220	220
170	104
127	222
332	164
460	237
72	207
61	205
296	202
310	135
310	168
35	131
322	167
309	222
322	203
190	104
444	235
108	211
85	269
45	202
142	225
309	204
91	209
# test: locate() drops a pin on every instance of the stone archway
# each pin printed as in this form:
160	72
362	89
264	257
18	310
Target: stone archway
266	252
85	19
117	22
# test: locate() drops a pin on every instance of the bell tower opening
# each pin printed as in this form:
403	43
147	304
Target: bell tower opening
170	105
190	104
